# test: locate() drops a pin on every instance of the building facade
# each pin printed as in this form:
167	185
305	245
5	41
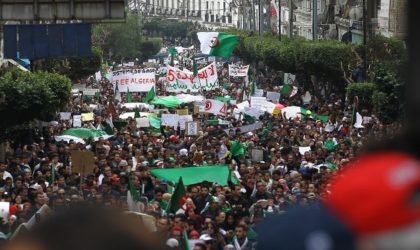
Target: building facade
208	13
343	19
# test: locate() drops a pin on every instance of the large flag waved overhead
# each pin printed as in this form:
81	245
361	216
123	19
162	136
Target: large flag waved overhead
217	44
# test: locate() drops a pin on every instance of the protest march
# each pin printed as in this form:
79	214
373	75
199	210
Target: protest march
208	154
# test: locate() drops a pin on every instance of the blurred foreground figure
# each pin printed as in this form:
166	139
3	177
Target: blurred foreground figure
378	197
87	228
374	204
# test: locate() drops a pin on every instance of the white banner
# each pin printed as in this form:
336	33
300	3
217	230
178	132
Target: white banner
90	92
170	120
258	102
238	71
77	121
244	129
136	80
273	96
183	119
183	80
216	107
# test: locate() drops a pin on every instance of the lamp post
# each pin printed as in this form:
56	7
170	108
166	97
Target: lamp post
290	19
364	40
315	19
279	13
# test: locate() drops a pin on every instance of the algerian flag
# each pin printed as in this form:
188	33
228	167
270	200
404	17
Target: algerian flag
133	196
172	53
195	69
288	90
178	197
151	95
98	96
136	113
117	93
129	96
252	87
105	68
154	122
217	44
109	125
236	148
359	121
185	241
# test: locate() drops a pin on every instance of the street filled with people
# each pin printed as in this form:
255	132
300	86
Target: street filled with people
275	145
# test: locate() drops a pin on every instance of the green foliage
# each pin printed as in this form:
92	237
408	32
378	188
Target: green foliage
30	96
362	90
166	28
84	66
125	40
150	46
75	67
323	59
385	107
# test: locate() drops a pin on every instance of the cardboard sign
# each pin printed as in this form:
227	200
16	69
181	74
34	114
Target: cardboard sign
183	119
303	150
273	96
77	121
82	162
192	128
289	79
170	120
87	117
259	92
244	129
65	116
182	111
258	102
142	122
90	92
238	71
257	155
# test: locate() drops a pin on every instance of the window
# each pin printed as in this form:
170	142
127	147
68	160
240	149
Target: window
207	5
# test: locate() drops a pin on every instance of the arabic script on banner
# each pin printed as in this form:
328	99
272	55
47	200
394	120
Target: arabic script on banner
183	80
238	71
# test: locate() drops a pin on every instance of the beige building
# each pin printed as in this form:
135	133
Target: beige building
209	13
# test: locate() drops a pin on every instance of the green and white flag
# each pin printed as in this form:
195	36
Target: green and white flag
217	44
129	96
151	95
288	90
117	93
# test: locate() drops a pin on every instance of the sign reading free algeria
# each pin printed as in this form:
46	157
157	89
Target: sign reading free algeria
135	80
183	80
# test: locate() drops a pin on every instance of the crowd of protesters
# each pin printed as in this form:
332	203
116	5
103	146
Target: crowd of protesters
217	217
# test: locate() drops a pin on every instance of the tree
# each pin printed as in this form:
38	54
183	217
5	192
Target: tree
29	96
125	41
73	67
85	66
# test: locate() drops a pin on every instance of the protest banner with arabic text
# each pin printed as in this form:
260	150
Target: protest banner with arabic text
183	80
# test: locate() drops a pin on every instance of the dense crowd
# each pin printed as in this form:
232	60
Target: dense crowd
216	216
